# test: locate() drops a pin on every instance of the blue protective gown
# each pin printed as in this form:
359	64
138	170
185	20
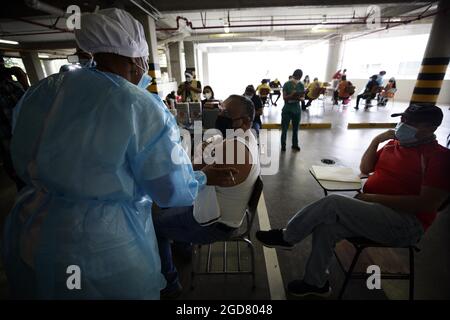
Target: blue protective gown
95	152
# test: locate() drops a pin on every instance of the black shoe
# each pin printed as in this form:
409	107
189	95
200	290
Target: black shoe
283	148
275	104
300	288
171	293
296	148
356	108
273	239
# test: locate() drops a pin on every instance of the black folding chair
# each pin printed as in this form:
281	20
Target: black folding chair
242	235
360	244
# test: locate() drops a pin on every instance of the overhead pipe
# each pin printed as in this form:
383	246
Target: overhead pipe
189	24
43	25
28	34
44	7
397	24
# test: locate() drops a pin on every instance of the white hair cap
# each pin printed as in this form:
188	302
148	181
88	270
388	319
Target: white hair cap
112	31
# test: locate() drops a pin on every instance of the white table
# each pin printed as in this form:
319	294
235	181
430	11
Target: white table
336	186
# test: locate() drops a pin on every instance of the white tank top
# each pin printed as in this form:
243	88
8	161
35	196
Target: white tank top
228	205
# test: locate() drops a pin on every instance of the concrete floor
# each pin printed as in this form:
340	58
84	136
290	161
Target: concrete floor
292	188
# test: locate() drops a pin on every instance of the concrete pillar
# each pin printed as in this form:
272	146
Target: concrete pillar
169	67
48	67
436	58
150	35
205	68
33	66
177	63
334	56
189	54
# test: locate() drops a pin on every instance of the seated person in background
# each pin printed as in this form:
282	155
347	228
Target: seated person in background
334	84
306	81
380	78
408	184
388	92
210	101
276	87
345	90
251	94
369	93
217	211
263	90
171	98
313	91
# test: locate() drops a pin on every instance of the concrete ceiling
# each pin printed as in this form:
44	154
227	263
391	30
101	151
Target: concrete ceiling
42	31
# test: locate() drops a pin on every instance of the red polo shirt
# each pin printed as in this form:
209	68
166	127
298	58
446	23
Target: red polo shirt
399	171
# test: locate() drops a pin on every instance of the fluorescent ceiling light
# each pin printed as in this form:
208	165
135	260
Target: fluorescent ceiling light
8	41
43	55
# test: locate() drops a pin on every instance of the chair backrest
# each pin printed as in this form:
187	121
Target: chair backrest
182	113
253	204
195	111
209	117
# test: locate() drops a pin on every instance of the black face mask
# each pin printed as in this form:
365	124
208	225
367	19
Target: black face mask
223	123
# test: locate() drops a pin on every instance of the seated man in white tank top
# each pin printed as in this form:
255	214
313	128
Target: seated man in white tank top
218	211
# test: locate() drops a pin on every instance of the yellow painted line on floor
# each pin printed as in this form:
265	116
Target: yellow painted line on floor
325	125
371	125
276	286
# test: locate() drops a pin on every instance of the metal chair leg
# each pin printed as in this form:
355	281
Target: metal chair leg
411	273
348	274
199	248
252	254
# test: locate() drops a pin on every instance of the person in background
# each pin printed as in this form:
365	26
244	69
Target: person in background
345	90
293	93
190	89
408	184
171	99
208	95
96	149
334	84
263	90
14	71
250	93
370	92
380	76
306	81
388	92
312	92
10	93
276	87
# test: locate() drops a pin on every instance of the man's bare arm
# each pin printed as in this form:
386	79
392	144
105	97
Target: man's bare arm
369	158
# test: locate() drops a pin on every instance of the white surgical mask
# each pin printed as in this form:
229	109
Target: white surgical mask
145	81
207	95
405	133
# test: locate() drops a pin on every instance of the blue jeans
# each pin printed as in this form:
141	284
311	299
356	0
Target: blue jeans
337	217
178	224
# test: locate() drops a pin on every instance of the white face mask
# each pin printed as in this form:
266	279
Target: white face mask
207	95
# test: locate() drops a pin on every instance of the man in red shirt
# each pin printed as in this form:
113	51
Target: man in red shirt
408	183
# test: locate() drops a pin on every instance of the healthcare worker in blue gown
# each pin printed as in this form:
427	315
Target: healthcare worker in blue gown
95	150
